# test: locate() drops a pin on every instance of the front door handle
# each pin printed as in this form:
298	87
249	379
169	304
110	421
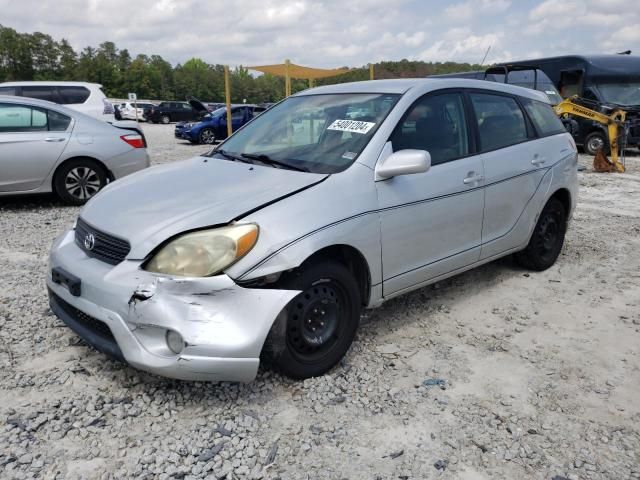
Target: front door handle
472	178
538	160
54	139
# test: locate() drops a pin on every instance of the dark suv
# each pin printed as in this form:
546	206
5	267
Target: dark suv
168	112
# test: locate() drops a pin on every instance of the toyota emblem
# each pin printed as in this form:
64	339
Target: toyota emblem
89	241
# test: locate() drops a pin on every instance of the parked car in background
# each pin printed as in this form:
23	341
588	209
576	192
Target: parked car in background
128	110
167	112
45	147
270	245
213	126
84	97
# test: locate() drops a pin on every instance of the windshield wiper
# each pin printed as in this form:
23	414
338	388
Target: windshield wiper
228	155
270	161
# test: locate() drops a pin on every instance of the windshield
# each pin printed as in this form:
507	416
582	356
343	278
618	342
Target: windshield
316	133
621	93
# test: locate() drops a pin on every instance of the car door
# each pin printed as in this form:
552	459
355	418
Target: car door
238	117
29	149
513	162
431	222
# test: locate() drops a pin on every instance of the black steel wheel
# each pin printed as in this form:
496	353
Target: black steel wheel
76	181
547	238
207	136
317	327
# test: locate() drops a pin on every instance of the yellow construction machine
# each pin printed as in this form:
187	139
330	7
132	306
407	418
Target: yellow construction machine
615	123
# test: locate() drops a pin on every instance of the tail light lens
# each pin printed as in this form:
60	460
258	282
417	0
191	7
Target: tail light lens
108	107
133	139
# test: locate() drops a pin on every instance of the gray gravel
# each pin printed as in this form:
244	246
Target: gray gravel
540	373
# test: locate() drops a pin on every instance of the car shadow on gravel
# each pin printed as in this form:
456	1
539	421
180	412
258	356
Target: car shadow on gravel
29	202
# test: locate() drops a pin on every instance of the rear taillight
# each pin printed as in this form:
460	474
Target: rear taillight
135	140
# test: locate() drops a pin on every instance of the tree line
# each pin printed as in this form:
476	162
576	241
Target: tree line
37	56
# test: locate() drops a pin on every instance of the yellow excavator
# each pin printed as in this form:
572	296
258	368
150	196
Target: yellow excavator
615	123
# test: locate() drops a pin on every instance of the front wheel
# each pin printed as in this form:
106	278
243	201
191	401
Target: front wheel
547	238
165	119
78	180
317	327
207	136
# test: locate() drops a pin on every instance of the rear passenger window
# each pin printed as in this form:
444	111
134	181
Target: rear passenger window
543	117
7	90
42	92
72	95
435	123
20	118
57	121
500	121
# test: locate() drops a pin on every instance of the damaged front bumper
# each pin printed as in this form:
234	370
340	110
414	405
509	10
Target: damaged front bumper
223	325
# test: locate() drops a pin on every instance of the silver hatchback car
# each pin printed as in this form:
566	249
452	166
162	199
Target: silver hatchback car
334	200
47	147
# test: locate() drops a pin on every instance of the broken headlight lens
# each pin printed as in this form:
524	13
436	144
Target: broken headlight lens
204	253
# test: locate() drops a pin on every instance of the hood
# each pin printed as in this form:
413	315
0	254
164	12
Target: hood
152	205
197	105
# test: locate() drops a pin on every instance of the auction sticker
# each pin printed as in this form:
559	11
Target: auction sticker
353	126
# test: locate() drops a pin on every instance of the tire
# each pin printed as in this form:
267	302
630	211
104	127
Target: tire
207	136
594	141
547	238
315	330
76	181
165	119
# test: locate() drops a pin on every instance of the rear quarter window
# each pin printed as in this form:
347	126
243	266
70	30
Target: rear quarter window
72	95
57	121
543	117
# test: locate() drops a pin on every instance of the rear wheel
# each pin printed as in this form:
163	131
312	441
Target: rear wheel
208	136
78	180
547	239
317	327
165	119
596	141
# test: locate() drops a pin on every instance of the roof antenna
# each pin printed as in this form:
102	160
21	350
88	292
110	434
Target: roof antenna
626	52
485	55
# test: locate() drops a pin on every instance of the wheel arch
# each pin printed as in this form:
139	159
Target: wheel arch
564	196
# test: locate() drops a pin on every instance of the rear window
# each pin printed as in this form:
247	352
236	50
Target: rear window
42	92
543	117
21	118
500	121
71	95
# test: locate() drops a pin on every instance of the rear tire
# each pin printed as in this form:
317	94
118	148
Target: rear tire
594	141
315	330
165	119
547	238
76	181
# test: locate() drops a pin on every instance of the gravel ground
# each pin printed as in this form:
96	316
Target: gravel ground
496	373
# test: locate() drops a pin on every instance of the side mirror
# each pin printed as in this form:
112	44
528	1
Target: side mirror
404	162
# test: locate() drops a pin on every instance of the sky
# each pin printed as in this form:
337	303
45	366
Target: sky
335	33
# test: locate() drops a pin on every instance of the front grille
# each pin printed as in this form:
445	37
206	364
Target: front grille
106	247
93	331
93	324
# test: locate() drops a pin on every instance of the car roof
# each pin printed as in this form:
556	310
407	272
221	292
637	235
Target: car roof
46	82
403	85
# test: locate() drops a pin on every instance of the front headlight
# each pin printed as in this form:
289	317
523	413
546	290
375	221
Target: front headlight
206	252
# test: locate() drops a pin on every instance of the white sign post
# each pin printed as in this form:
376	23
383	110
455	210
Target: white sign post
133	98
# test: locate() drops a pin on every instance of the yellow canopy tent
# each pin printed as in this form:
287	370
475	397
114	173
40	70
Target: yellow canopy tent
290	70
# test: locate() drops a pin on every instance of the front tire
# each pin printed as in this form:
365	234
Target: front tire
547	238
165	119
78	180
207	136
315	330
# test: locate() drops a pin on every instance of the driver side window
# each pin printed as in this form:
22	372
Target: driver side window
437	124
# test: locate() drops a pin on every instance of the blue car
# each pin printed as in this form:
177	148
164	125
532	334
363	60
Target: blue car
213	126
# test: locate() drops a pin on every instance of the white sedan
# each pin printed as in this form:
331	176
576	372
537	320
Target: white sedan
128	110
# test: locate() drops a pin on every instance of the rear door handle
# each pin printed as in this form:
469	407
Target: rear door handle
54	139
472	179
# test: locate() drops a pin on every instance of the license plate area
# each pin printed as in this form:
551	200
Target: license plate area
60	276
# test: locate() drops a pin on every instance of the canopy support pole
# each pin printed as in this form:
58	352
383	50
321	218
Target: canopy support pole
287	78
371	76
